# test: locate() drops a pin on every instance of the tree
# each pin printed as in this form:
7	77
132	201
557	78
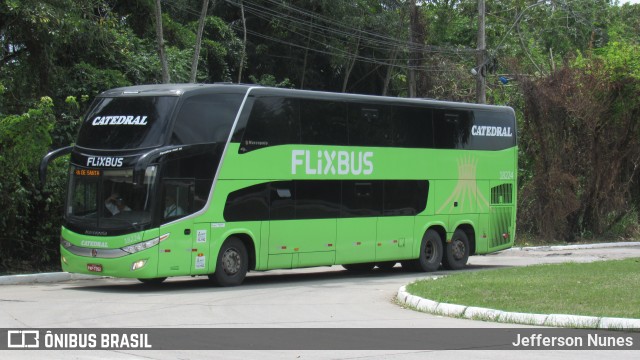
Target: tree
196	53
161	54
581	139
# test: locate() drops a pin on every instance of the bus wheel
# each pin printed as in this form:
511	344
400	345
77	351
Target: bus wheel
457	251
232	264
430	253
364	267
386	266
153	281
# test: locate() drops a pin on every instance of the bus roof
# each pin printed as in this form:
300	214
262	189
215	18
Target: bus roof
182	89
174	89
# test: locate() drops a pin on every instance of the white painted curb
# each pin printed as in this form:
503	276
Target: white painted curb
477	313
576	247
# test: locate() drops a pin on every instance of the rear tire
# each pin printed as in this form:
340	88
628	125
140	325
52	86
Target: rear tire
232	264
457	251
430	254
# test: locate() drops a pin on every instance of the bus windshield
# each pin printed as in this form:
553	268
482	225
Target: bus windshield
124	123
107	200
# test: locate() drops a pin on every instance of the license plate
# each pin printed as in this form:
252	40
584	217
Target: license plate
94	267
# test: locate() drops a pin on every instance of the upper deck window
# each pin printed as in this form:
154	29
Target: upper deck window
206	118
125	123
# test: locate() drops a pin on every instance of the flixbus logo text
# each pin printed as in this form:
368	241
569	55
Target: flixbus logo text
324	162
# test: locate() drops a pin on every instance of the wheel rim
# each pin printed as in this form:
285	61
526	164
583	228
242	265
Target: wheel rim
231	261
458	249
429	250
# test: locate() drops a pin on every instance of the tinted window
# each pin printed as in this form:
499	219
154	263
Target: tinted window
199	168
412	127
370	125
282	200
248	204
326	199
178	198
273	121
361	198
317	199
126	122
323	122
452	128
206	118
405	197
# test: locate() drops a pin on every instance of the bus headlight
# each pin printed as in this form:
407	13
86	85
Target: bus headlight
138	264
132	249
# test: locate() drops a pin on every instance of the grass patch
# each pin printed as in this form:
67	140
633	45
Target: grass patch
602	288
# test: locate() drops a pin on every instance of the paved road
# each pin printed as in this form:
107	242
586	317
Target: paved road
304	298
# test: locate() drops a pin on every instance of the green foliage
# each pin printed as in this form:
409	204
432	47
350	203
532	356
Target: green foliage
270	80
580	146
28	223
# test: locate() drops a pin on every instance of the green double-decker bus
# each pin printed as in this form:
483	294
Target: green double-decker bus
222	179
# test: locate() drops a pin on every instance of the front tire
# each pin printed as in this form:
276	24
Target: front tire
232	264
430	253
457	251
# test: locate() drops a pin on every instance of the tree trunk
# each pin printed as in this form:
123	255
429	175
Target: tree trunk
350	66
163	57
481	95
244	42
387	77
306	54
196	52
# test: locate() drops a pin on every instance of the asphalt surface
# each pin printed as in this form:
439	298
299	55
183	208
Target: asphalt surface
327	297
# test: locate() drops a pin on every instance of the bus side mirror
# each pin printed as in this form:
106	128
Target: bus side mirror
44	163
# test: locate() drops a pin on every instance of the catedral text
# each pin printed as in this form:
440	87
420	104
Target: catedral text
497	131
119	120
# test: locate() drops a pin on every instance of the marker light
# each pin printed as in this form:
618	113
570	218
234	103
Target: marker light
138	264
64	260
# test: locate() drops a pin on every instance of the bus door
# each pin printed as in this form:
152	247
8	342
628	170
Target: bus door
357	226
176	250
403	200
302	230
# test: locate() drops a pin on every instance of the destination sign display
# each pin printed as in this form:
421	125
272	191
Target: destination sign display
87	172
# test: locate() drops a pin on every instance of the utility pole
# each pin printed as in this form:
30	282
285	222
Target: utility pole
481	95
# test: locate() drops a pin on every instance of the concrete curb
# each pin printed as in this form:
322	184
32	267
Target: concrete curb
477	313
576	247
44	278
